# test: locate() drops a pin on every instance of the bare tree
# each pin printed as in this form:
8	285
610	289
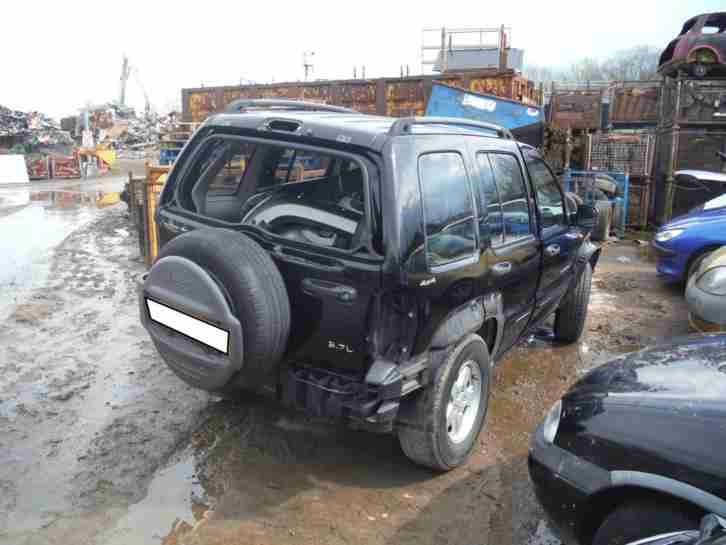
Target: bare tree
587	69
543	74
636	63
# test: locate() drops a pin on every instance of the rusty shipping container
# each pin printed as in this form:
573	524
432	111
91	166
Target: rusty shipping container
634	104
576	109
385	96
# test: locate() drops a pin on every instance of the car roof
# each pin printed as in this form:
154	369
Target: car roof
356	129
347	126
716	18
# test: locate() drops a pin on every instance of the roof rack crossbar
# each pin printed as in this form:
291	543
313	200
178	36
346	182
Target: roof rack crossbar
403	125
273	103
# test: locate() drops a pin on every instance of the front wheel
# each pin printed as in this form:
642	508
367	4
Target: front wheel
438	426
572	312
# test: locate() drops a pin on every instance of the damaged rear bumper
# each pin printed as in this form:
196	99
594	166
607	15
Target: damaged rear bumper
370	403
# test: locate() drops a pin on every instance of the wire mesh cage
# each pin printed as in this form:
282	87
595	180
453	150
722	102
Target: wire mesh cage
621	152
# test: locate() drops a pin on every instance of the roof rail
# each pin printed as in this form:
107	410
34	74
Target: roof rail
403	125
273	103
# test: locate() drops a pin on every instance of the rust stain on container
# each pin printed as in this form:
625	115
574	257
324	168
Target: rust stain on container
576	109
385	96
635	104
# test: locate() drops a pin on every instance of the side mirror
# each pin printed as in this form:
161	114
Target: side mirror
586	217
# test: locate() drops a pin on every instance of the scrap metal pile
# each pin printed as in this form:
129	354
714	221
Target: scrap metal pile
120	128
31	129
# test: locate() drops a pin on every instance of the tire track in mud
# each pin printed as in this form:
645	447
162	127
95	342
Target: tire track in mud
88	410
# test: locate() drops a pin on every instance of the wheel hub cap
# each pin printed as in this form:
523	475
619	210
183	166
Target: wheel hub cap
464	400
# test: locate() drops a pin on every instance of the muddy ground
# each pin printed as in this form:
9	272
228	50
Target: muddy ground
100	443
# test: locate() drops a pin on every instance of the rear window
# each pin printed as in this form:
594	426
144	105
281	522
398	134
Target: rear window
308	197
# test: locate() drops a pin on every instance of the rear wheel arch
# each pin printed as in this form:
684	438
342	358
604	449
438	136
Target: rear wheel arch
489	332
605	502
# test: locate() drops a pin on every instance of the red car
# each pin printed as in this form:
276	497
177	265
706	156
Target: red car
700	47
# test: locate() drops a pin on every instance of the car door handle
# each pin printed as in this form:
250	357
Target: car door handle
314	286
502	268
552	250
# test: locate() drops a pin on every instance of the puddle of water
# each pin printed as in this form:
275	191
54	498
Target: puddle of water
31	224
174	491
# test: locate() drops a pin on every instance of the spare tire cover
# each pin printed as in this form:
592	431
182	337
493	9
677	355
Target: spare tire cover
180	303
217	309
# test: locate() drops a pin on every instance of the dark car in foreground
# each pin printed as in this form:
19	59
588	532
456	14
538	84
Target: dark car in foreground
362	268
700	48
636	447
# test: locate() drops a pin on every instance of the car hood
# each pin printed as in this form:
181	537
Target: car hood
697	217
692	368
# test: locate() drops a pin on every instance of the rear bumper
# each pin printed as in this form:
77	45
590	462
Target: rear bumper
369	402
563	484
363	404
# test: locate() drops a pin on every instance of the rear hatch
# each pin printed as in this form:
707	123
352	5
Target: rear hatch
312	208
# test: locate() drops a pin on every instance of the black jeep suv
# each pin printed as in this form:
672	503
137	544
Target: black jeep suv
361	267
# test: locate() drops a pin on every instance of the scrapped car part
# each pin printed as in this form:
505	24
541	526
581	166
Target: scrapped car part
618	468
699	49
604	220
438	427
606	184
210	281
345	261
571	315
706	292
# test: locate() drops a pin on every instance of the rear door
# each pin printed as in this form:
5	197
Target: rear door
507	230
560	238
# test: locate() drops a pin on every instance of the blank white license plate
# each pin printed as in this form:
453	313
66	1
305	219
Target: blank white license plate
193	328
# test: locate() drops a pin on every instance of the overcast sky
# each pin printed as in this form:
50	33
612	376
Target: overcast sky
56	56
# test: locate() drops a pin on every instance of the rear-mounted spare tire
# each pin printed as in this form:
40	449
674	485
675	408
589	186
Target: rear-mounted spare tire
217	309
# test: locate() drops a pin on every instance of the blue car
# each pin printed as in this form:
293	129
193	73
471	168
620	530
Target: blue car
681	244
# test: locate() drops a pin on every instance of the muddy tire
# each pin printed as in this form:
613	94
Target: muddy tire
254	289
604	217
571	315
638	519
434	428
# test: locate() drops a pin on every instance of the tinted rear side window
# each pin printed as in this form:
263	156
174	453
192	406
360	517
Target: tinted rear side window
491	224
447	208
513	196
